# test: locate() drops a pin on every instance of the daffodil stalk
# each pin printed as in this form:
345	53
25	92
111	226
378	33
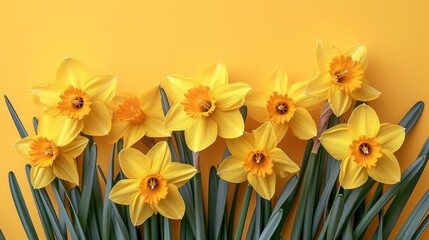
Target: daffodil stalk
243	212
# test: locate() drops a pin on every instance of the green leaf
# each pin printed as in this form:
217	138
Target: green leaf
46	224
258	217
18	124
87	185
416	216
121	231
199	208
52	217
1	235
146	229
232	212
35	124
167	229
272	225
18	199
213	187
251	229
337	211
243	213
107	212
222	194
421	228
412	116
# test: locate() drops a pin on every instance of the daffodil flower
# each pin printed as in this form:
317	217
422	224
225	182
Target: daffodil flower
78	96
341	77
135	117
152	184
256	158
206	106
53	151
365	148
285	105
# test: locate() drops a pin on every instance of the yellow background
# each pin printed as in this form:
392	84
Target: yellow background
143	42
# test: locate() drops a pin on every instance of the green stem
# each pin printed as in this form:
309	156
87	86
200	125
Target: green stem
199	208
243	213
154	227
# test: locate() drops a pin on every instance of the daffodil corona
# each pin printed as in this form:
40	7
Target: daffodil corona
256	158
52	152
365	148
135	117
206	106
78	96
285	105
341	77
152	184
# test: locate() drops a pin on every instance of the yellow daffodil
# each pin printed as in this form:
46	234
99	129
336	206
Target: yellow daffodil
365	147
341	77
256	158
79	96
152	184
283	104
52	152
206	106
135	117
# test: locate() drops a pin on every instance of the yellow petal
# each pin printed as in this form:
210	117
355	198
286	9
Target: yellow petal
134	163
101	88
278	82
124	190
363	121
351	175
140	211
280	130
297	93
232	170
265	137
325	53
178	173
230	124
160	156
133	134
391	136
177	86
118	130
338	100
201	134
76	147
98	121
153	126
230	96
40	177
336	140
213	76
46	95
359	54
65	168
177	119
319	85
241	146
365	93
62	130
264	186
172	206
387	169
151	99
283	165
256	103
302	124
23	146
72	72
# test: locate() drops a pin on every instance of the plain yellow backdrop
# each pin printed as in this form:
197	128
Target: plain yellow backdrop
143	41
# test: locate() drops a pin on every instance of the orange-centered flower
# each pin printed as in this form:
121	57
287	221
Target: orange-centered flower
152	184
52	152
365	148
256	158
341	77
78	96
205	106
135	117
285	105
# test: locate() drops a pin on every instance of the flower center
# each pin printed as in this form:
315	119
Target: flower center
153	188
199	102
43	152
346	73
74	103
365	151
280	108
258	163
130	110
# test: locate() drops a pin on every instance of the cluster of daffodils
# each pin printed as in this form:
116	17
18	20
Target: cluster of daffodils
206	106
